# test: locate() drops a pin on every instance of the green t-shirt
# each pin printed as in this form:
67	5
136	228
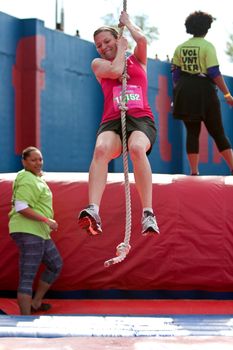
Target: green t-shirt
195	56
35	192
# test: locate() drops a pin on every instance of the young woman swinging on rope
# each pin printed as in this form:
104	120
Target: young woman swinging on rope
140	126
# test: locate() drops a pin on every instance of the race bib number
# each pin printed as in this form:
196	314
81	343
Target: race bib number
134	97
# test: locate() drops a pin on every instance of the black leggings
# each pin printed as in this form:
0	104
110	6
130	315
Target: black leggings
215	129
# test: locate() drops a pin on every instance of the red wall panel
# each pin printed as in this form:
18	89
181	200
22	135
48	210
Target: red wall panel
193	252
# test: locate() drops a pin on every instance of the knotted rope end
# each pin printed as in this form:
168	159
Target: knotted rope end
121	251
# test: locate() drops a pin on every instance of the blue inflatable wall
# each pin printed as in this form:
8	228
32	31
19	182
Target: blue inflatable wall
51	99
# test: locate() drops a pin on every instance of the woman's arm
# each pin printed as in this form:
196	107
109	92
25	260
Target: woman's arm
176	72
140	50
103	68
217	77
220	82
31	214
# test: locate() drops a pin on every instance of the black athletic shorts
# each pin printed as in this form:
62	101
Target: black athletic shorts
144	124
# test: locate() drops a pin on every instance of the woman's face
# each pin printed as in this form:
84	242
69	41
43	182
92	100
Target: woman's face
34	163
106	45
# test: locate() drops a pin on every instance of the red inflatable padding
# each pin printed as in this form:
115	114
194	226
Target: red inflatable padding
193	252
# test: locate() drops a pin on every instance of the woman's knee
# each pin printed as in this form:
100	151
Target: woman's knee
52	272
192	142
102	151
57	269
107	146
137	151
222	142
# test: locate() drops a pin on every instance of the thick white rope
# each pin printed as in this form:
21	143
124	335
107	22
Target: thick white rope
123	248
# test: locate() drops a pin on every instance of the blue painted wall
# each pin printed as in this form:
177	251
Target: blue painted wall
71	103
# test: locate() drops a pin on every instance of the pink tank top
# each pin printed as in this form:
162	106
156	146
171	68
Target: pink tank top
136	93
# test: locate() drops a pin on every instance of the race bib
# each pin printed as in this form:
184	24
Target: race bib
134	98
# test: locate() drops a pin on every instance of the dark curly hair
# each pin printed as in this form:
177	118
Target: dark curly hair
198	23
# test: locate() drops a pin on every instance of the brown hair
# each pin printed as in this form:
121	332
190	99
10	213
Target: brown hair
112	30
27	151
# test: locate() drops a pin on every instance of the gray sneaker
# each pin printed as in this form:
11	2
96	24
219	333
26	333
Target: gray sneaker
149	224
90	221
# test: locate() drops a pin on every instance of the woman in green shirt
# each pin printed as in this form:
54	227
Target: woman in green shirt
30	223
196	77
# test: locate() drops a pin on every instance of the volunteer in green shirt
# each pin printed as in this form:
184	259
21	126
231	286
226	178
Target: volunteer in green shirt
196	77
30	223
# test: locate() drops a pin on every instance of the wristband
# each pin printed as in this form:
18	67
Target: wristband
227	95
44	219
